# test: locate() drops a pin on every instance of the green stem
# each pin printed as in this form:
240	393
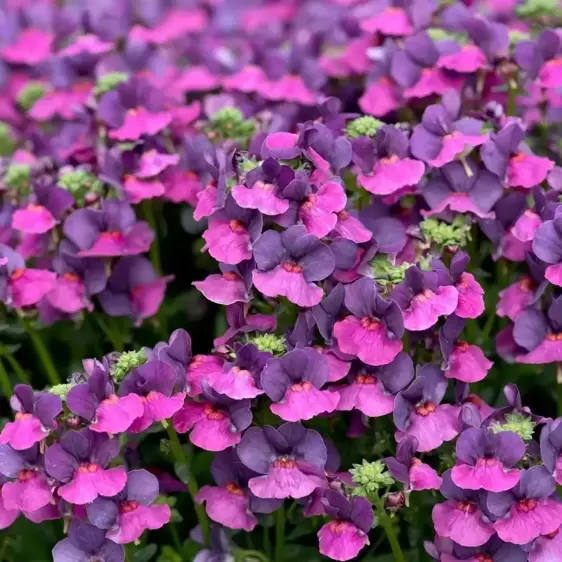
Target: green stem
176	538
245	554
5	383
19	371
280	534
148	212
386	524
112	336
192	486
266	541
42	352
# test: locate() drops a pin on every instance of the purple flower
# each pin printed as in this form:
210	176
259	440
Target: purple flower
347	533
97	402
372	390
528	510
418	411
462	517
231	233
241	378
240	322
216	422
177	353
290	460
387	162
540	59
423	298
86	542
130	513
398	19
327	312
134	289
547	245
7	516
503	157
495	550
31	490
79	462
154	382
230	286
551	448
485	460
111	231
289	264
31	47
411	471
294	384
230	502
374	329
36	413
453	189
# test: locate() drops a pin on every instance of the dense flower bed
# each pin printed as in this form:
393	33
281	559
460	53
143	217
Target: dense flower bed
376	187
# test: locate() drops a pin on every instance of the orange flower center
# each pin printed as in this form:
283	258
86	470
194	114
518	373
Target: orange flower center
88	467
292	267
26	475
128	506
467	507
301	386
365	379
284	462
554	337
426	409
527	505
17	273
22	416
72	277
213	413
371	324
526	284
519	157
231	276
343	215
265	186
236	226
234	489
462	346
111	235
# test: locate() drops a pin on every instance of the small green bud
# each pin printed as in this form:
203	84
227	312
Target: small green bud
79	183
247	165
109	82
540	8
230	123
446	235
227	115
7	142
438	34
516	36
61	390
365	126
17	176
385	272
30	93
128	361
524	426
370	477
269	342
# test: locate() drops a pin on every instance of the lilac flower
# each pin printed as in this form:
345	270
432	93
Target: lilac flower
199	369
398	19
462	517
216	422
36	414
540	59
154	382
30	47
347	533
133	289
374	329
327	312
389	168
21	286
289	460
551	448
230	502
294	384
86	542
528	510
230	286
547	245
453	189
494	550
546	547
486	460
131	512
418	411
289	264
7	516
462	361
96	401
439	139
79	462
111	231
232	232
502	155
241	378
177	353
411	471
423	298
31	490
372	390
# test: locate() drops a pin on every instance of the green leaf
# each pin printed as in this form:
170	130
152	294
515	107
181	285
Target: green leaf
144	554
168	554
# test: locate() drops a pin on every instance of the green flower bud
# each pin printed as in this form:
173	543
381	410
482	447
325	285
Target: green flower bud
540	8
79	183
524	426
438	34
365	126
515	36
109	82
385	272
446	235
229	123
269	342
30	93
7	143
61	390
128	361
17	176
370	477
247	165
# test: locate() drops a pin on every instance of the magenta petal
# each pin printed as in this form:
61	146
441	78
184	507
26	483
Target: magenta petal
550	75
485	476
280	483
549	351
554	274
391	21
87	485
372	346
318	213
148	297
303	403
153	163
526	225
68	295
515	298
527	170
31	286
468	363
139	122
228	241
461	203
32	47
199	369
471	297
281	283
115	415
468	60
547	549
352	228
466	529
214	434
341	540
138	189
49	512
338	368
206	200
432	81
33	219
426	308
189	414
157	407
369	399
424	477
236	384
29	494
133	523
228	505
23	433
260	196
454	145
223	289
379	98
391	175
7	516
249	80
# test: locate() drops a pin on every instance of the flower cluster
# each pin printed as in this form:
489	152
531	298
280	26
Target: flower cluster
355	169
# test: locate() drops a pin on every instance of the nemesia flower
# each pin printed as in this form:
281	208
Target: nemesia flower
546	245
288	459
230	286
398	18
131	512
176	352
551	448
495	549
540	59
7	516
